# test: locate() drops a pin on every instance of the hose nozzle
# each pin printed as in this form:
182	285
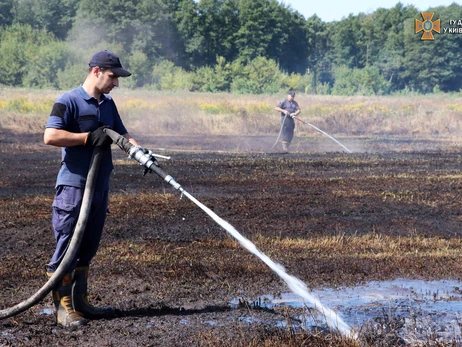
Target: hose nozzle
145	158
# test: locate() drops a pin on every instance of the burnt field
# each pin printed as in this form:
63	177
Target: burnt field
389	210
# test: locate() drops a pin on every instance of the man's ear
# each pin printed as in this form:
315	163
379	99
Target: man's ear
96	71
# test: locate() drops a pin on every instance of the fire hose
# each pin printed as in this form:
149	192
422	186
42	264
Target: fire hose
311	125
150	164
280	131
322	132
297	286
136	153
73	244
145	159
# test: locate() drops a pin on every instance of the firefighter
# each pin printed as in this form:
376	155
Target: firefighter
76	124
289	109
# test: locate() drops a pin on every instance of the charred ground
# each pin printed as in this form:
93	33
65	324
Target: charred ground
171	272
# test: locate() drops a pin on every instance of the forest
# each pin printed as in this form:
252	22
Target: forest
238	46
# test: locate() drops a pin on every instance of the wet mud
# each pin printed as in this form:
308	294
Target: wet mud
174	275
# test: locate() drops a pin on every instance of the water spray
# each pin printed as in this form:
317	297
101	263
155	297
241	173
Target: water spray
148	161
322	132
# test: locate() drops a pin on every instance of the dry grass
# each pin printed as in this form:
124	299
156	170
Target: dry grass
370	246
183	113
288	337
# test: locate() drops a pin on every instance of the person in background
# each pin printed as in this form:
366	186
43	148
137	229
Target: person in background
289	109
76	124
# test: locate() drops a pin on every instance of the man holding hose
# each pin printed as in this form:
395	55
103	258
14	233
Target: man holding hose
76	124
289	110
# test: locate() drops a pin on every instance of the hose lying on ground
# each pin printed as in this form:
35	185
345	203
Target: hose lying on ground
280	131
73	244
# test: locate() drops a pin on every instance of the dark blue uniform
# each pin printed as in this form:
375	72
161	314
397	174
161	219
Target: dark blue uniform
76	111
288	126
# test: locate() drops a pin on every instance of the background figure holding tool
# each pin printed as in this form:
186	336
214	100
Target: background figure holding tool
77	124
289	109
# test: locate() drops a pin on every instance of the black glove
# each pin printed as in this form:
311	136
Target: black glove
99	138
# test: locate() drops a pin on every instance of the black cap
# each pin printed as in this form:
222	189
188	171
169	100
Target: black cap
109	60
291	92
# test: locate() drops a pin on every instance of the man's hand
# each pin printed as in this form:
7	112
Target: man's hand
98	138
293	115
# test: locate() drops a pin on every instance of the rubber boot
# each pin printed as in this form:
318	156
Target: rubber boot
285	146
62	299
80	297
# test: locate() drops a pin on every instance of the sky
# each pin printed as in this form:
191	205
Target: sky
335	10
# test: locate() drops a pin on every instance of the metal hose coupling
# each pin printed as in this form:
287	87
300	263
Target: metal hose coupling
174	184
143	157
147	160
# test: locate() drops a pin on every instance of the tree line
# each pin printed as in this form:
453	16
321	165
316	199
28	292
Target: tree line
243	46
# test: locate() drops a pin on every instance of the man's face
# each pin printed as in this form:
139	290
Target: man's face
107	80
291	97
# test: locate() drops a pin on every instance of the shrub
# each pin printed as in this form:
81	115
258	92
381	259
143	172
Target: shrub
216	79
16	43
72	76
167	76
298	82
367	81
260	75
43	65
140	68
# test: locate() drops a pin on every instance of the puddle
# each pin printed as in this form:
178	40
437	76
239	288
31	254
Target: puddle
416	310
47	311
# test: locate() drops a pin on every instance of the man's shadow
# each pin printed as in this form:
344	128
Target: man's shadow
164	311
180	311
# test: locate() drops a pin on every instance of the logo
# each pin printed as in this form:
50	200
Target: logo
427	26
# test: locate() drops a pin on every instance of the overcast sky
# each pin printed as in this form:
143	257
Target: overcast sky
335	10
